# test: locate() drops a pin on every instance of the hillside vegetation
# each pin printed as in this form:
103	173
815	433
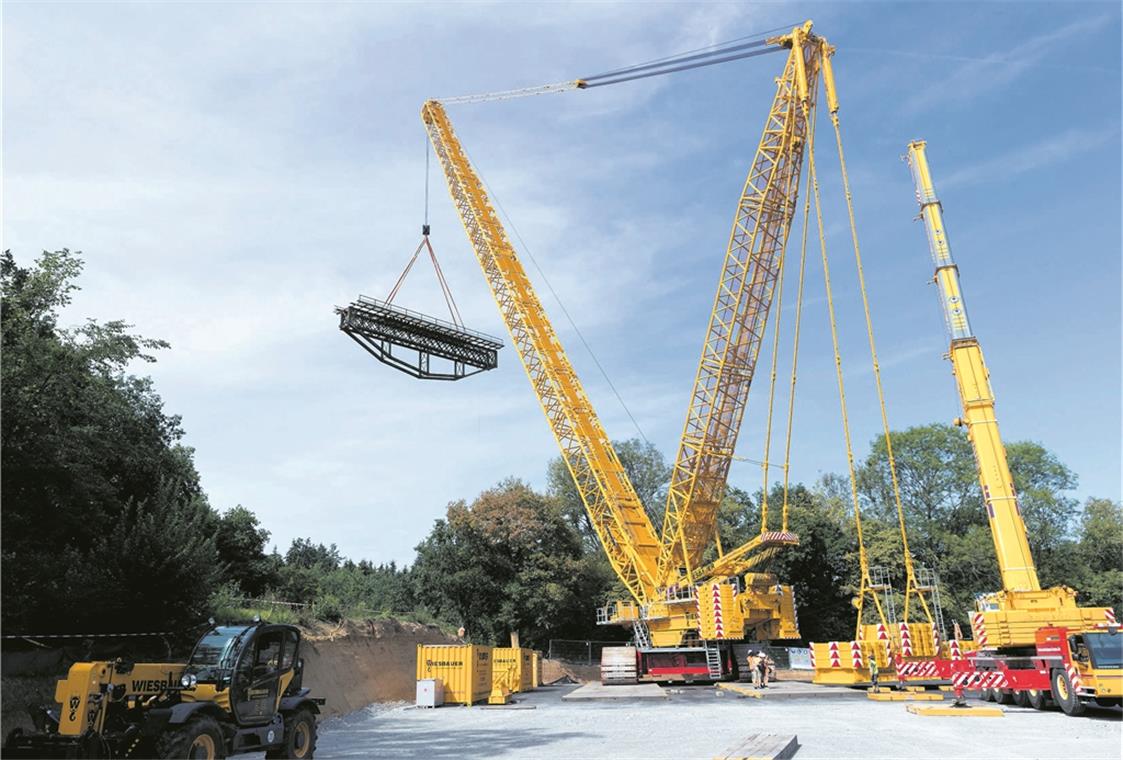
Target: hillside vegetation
106	526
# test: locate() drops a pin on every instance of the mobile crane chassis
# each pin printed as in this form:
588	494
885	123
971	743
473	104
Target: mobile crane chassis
1032	646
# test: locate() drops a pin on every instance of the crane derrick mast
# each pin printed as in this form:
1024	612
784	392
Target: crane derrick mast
739	317
1030	641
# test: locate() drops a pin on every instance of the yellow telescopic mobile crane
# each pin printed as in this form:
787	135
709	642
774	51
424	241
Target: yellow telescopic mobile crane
684	614
1031	642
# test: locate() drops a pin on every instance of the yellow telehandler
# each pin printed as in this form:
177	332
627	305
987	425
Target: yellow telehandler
240	691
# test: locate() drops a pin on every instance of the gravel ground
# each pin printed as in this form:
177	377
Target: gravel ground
695	722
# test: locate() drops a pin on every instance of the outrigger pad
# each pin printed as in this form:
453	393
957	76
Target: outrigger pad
408	341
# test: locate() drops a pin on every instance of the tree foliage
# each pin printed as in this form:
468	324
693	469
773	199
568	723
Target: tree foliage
508	562
647	470
105	525
91	464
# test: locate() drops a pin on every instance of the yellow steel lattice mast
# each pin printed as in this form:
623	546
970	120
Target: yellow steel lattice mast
617	515
739	318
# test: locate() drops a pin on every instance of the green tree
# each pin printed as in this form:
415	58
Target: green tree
938	481
509	561
1100	554
647	470
86	448
945	517
241	545
304	553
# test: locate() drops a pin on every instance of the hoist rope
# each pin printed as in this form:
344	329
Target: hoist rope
450	302
795	339
522	92
446	291
910	581
557	298
862	558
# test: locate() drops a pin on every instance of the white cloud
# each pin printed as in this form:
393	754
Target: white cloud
979	76
1051	150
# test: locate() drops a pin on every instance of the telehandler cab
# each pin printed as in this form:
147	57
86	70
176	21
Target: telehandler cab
240	691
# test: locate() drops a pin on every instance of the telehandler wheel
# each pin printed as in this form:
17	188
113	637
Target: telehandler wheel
1021	698
300	737
1063	693
1039	700
198	739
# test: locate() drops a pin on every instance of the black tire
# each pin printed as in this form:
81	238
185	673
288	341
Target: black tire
1108	701
1003	697
1063	693
1021	698
198	739
1039	700
987	695
299	742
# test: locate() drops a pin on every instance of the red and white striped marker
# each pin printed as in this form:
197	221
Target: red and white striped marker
835	661
1074	678
855	655
719	626
953	649
1109	614
979	628
906	640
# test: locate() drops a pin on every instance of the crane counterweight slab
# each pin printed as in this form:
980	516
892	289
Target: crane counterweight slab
408	340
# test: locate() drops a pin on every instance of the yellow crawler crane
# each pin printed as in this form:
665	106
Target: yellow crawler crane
677	607
1031	642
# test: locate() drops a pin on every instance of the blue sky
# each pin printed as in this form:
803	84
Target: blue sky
233	171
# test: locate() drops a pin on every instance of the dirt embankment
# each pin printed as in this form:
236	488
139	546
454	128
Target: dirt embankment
358	663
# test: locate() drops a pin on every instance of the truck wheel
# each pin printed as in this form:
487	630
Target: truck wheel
198	739
1039	700
1063	693
987	695
1021	699
300	737
1003	696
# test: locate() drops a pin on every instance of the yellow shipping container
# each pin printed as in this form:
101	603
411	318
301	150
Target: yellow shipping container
513	669
464	669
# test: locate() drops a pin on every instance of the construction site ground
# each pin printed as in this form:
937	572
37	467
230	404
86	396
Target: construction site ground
705	722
